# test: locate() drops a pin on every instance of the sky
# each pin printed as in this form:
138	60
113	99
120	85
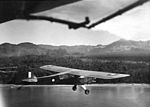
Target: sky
133	25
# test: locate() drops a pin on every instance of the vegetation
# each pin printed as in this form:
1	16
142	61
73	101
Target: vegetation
137	66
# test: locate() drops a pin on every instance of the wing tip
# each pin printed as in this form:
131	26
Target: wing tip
124	75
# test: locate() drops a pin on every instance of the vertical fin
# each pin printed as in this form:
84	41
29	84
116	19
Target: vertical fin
31	78
29	74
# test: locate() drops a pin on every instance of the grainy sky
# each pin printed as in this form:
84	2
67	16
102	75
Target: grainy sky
132	25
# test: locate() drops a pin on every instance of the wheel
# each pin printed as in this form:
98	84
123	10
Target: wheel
87	92
55	80
74	88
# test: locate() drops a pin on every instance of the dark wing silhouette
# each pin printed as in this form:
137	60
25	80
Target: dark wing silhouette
71	25
22	9
10	9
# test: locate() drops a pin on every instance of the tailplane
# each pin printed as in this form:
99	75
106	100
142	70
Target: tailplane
31	78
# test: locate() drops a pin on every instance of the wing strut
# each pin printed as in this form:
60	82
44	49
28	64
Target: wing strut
71	25
54	75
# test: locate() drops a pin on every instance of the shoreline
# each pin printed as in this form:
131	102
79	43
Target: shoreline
93	85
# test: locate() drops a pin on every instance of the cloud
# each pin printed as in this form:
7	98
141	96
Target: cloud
43	32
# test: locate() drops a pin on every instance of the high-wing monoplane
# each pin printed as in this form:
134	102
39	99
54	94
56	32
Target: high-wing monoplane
82	76
25	10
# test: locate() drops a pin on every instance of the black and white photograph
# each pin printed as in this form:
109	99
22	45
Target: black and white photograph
74	53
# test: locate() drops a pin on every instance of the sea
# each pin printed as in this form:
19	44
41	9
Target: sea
101	95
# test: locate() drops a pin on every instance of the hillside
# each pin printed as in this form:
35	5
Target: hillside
22	49
120	47
123	47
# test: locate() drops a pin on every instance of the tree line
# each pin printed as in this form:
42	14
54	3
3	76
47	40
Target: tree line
140	72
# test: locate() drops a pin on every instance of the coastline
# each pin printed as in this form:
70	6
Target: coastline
93	85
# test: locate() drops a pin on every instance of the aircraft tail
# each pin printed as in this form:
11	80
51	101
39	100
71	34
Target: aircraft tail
31	78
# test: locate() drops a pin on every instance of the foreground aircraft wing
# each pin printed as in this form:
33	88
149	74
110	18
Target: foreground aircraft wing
117	13
22	9
11	9
71	25
85	73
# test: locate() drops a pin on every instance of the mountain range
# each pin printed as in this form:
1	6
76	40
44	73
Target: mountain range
120	47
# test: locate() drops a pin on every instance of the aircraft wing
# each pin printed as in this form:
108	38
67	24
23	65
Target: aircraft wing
22	9
85	73
119	12
57	74
10	9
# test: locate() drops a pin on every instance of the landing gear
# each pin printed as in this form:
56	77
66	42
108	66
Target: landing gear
74	88
87	91
55	80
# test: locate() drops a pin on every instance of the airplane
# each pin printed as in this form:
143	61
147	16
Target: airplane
25	10
82	76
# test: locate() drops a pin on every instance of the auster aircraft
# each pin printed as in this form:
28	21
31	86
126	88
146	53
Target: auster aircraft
24	9
82	76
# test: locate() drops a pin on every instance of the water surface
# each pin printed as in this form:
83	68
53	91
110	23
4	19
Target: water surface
119	95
